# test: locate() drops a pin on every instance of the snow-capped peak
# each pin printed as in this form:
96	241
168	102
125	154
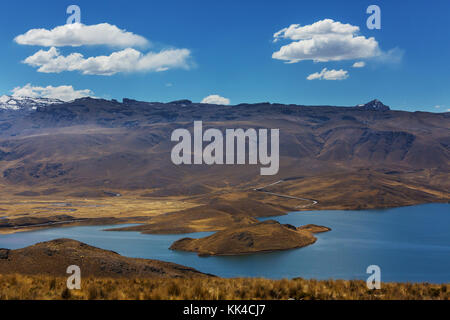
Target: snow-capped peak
27	103
374	105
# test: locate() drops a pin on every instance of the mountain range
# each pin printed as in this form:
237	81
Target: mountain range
364	156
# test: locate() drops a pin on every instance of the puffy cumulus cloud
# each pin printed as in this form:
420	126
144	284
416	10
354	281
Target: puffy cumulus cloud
326	74
77	34
124	61
323	27
325	40
359	64
216	99
64	93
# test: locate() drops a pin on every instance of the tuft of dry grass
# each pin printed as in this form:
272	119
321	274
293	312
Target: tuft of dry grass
20	287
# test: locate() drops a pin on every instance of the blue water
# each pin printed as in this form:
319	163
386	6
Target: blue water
407	243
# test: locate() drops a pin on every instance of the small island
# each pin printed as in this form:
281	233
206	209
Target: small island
259	237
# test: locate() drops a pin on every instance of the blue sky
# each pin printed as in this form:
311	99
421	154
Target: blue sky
230	46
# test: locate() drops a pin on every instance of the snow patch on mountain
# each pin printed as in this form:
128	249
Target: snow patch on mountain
25	103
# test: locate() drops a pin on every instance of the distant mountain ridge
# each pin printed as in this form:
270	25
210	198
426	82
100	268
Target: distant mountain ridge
33	103
85	146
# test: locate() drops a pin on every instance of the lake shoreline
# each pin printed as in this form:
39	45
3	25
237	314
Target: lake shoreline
113	220
410	244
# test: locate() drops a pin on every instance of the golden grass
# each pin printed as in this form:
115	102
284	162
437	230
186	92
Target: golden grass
92	208
120	207
19	287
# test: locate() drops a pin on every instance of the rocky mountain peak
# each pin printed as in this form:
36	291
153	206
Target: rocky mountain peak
374	105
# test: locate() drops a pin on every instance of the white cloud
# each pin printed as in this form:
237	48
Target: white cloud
75	35
216	99
127	61
359	64
323	27
325	40
329	75
393	56
64	93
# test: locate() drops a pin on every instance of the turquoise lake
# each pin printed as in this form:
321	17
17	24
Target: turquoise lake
407	243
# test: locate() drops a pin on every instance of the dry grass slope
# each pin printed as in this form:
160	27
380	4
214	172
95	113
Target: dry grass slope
19	287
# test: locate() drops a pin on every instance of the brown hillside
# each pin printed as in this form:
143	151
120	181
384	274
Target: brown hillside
53	258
